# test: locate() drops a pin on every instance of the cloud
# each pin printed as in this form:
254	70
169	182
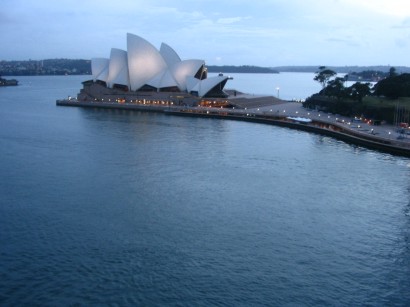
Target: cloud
394	8
401	43
348	42
405	24
231	20
241	32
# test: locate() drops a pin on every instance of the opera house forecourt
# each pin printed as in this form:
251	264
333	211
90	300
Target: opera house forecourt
145	75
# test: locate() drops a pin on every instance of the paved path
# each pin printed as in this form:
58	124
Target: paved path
295	109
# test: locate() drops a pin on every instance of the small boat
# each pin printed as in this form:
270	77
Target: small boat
300	120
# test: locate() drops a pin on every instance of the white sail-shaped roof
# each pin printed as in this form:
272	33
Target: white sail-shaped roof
169	55
144	61
191	82
204	86
185	69
162	80
118	68
142	64
99	69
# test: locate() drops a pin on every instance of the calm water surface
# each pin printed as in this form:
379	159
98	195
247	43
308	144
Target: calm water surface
287	86
102	207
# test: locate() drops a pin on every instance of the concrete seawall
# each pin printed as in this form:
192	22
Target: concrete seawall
112	105
335	130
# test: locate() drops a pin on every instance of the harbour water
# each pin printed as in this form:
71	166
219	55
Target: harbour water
287	86
113	207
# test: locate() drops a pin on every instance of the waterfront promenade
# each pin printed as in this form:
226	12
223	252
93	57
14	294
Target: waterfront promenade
271	110
357	125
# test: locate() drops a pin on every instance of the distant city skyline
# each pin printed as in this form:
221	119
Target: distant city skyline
262	33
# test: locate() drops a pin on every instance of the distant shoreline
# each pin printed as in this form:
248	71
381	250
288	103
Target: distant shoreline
61	67
241	69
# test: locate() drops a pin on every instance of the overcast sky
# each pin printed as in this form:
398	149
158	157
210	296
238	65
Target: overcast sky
237	32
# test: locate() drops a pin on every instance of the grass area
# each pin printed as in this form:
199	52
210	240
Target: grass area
383	102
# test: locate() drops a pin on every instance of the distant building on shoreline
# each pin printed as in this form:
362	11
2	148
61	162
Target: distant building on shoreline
5	82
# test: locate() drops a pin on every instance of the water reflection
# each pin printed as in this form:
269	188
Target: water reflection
120	206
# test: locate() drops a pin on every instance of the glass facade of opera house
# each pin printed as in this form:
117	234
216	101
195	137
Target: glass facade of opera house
144	73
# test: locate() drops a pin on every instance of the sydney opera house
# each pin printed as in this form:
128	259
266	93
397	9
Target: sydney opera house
143	72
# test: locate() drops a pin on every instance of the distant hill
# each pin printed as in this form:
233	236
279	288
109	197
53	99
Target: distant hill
45	67
341	69
241	69
83	67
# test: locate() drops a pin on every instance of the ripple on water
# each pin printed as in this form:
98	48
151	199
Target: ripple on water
127	208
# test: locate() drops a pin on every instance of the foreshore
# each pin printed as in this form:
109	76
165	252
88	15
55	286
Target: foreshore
384	137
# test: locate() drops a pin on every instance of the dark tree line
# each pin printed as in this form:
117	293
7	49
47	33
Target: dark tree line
367	75
393	86
336	87
336	97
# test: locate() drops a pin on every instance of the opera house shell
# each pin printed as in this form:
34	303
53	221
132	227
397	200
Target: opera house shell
144	68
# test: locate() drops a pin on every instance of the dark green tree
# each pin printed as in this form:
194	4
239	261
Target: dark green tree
359	90
392	72
394	86
324	75
335	88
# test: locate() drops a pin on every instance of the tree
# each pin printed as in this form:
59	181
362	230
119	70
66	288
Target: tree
324	75
393	87
392	72
335	88
359	90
